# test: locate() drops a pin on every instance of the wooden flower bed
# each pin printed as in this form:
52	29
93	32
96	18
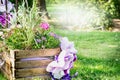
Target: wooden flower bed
28	64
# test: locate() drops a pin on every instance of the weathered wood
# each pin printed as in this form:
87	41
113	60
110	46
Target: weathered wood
6	67
28	64
6	74
12	58
35	78
32	64
36	53
6	57
30	72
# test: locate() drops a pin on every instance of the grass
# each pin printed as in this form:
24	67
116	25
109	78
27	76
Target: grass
98	55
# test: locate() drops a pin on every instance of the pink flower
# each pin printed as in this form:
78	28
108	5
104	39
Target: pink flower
44	25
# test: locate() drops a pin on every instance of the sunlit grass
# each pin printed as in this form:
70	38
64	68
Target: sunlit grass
98	54
2	77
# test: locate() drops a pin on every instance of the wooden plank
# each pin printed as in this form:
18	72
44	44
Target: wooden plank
7	68
36	53
12	59
32	64
30	72
6	57
47	77
7	65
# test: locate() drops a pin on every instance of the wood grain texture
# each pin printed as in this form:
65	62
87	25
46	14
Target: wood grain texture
28	64
32	64
36	53
45	77
8	76
6	67
30	72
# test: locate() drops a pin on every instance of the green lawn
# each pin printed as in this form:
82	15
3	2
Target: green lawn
98	55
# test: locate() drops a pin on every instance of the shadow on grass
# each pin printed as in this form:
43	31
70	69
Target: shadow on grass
2	77
100	67
97	69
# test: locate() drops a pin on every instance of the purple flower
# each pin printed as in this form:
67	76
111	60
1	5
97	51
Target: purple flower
3	20
54	35
66	77
38	40
60	67
43	38
44	25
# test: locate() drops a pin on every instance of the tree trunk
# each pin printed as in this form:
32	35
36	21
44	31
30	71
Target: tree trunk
41	4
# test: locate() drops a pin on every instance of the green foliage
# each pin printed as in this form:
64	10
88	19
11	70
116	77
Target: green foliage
19	38
52	41
27	38
0	26
25	31
110	6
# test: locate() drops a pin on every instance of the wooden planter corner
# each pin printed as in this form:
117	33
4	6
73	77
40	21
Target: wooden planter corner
28	64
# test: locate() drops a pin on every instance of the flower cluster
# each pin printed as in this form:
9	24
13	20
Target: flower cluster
4	19
60	67
29	32
44	25
30	38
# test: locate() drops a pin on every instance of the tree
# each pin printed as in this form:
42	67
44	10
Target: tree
41	4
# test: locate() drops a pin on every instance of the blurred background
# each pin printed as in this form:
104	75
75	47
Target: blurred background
80	14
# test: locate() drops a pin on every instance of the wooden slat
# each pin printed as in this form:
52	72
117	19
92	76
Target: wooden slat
35	63
7	65
30	72
35	78
12	59
36	53
6	68
16	67
6	57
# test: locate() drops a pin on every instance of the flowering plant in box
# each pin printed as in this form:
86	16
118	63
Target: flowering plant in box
28	31
28	38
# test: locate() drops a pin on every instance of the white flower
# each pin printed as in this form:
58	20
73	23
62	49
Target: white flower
1	33
60	63
58	74
3	8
